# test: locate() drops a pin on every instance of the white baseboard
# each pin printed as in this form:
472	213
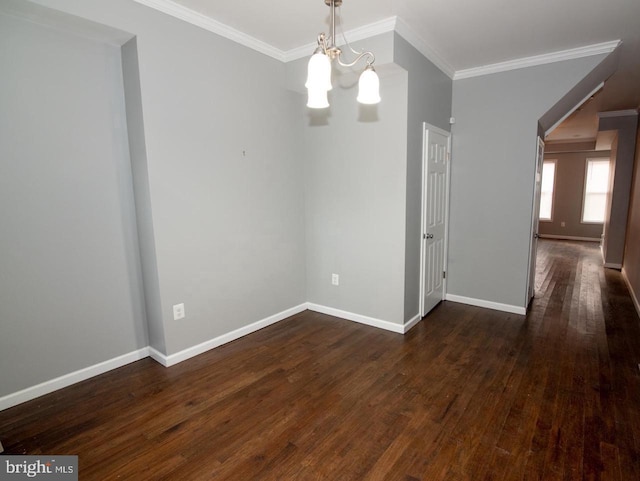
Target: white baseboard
569	237
193	351
631	292
350	316
487	304
47	387
157	356
411	322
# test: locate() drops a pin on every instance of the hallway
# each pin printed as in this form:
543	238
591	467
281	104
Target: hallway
588	331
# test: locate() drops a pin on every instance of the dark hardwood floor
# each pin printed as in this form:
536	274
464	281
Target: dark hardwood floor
468	394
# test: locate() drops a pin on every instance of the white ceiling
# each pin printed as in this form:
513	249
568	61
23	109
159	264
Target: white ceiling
463	33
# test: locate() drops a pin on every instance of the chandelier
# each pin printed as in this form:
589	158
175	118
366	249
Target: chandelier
319	70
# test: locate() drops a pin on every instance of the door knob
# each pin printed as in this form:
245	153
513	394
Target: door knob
428	236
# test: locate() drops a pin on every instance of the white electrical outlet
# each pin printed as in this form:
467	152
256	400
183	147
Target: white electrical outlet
178	311
335	279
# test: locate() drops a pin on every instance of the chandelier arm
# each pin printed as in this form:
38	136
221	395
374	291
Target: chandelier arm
322	42
319	68
370	60
346	41
333	23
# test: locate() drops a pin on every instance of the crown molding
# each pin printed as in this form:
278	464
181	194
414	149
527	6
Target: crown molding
376	28
617	113
207	23
406	32
198	19
559	56
390	24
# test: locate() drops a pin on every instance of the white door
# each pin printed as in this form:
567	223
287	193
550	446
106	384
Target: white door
535	218
435	186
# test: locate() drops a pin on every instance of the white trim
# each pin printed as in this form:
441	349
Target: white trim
299	52
200	20
66	380
390	24
487	304
370	30
411	323
366	31
617	113
158	356
203	21
559	56
350	316
535	220
569	237
423	200
421	46
612	265
631	293
437	130
447	207
203	347
571	111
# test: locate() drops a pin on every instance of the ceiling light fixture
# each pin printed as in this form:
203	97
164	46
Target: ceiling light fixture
319	70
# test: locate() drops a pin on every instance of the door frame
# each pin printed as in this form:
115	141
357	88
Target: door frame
535	219
426	128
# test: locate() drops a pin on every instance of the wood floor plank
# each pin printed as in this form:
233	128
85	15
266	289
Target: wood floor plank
469	394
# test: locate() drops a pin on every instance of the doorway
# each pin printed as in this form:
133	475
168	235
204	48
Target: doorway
535	219
435	208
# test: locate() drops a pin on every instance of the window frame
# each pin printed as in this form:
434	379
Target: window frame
584	188
553	189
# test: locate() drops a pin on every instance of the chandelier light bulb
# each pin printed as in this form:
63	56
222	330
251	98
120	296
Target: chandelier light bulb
319	72
317	98
369	87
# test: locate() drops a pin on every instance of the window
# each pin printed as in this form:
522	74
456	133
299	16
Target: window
546	189
596	186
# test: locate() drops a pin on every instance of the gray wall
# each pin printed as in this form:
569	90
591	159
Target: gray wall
429	101
220	164
355	175
70	281
363	183
142	195
615	224
225	182
568	196
631	262
494	147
